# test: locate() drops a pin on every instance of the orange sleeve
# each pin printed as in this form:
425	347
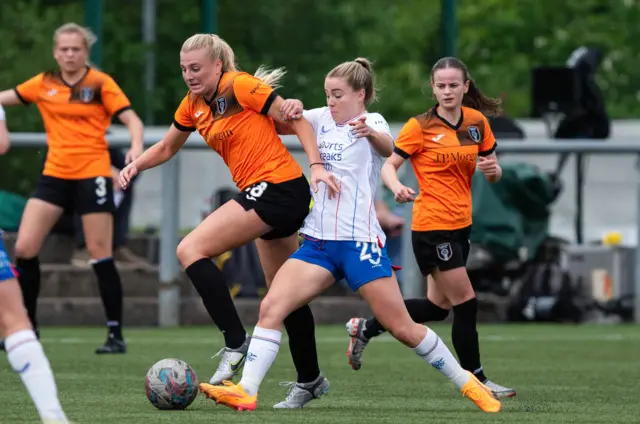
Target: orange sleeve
29	90
409	140
182	119
113	98
253	94
488	144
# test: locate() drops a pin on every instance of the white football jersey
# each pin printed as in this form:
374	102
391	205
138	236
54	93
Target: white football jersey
351	215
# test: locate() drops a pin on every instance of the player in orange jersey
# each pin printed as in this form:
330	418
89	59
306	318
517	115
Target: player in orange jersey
77	103
445	146
235	113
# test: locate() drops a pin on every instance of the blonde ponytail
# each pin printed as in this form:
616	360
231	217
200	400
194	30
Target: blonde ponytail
271	77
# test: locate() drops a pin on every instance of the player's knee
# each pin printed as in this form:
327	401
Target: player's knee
456	286
464	294
404	332
271	314
187	253
99	249
23	249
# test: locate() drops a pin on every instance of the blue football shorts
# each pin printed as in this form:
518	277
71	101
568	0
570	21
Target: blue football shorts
6	270
357	262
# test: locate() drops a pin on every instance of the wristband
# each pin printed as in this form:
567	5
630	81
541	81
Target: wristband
315	163
2	114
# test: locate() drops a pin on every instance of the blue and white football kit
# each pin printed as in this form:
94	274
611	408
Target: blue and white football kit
343	234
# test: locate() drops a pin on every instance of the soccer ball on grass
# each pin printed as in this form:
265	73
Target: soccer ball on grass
171	384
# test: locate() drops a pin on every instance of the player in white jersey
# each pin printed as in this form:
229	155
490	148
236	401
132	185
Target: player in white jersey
352	216
343	239
24	351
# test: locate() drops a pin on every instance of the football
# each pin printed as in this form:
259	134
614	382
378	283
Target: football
171	384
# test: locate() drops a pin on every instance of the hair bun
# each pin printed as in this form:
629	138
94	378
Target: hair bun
365	63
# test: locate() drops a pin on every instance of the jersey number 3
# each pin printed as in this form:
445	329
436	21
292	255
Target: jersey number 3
101	190
373	255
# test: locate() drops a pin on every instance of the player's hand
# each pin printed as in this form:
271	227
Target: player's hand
115	177
127	174
360	129
134	153
404	194
488	166
318	173
291	109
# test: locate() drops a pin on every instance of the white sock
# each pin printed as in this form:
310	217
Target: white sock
262	352
433	350
27	358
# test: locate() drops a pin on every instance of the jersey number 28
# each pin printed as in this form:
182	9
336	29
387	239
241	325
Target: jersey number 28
256	191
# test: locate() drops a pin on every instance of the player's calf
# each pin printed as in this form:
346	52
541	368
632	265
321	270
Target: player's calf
25	353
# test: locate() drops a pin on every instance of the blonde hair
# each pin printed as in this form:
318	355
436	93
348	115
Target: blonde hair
217	48
359	75
88	37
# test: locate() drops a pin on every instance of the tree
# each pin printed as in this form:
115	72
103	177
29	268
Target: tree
499	40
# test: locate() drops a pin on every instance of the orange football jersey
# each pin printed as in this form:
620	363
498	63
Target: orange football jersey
76	118
444	158
235	124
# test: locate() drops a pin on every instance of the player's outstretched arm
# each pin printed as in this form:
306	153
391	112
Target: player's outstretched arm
164	150
9	98
156	155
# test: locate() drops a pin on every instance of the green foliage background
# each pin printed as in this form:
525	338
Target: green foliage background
500	41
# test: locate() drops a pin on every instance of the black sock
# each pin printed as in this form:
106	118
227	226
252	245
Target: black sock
464	335
29	279
110	288
301	328
210	283
421	310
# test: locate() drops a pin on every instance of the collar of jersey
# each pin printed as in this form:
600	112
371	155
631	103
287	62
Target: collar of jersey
86	72
215	94
349	120
447	123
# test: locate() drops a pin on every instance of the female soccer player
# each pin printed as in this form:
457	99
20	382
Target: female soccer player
444	145
343	239
24	351
235	112
77	103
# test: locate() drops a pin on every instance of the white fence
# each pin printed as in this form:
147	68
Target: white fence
412	282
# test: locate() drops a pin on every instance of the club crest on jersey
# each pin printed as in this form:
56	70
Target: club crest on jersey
474	133
221	105
444	251
86	94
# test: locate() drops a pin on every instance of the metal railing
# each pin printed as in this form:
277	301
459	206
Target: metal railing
412	284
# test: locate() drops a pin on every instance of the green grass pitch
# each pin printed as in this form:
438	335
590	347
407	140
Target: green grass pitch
563	374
